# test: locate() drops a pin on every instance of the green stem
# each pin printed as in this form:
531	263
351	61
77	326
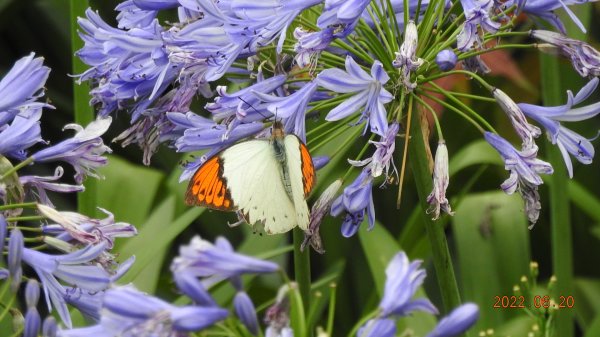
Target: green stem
435	231
562	250
302	268
16	168
20	205
86	201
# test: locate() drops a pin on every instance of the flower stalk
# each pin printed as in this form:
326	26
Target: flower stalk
435	231
302	268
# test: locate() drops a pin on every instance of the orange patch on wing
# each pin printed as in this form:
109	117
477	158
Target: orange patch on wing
308	170
208	187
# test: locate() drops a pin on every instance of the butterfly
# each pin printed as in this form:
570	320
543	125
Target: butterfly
266	180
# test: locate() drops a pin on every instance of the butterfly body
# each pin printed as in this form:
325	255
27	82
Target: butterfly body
266	180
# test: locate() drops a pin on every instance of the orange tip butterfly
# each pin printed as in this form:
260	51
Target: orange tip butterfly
265	180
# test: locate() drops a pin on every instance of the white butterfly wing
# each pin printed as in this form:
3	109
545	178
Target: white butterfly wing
294	162
254	182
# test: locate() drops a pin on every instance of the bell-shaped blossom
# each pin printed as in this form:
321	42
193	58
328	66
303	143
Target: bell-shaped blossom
40	185
457	322
446	60
437	198
204	259
33	321
23	132
545	9
84	151
189	284
15	257
407	59
128	68
403	278
584	58
526	131
128	312
21	87
524	167
245	311
292	109
567	140
49	327
378	328
355	201
320	208
382	159
475	64
141	13
73	269
369	93
477	13
310	44
71	225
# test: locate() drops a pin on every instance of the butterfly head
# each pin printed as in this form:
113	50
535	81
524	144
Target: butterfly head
277	132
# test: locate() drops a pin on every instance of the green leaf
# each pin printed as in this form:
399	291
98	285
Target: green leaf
477	153
586	201
128	190
587	307
154	238
492	241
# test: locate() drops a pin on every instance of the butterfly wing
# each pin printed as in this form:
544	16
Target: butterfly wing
208	187
301	175
253	176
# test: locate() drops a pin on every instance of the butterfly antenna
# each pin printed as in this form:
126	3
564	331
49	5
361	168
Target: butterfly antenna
253	108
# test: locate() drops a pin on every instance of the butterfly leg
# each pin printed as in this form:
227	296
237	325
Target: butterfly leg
241	219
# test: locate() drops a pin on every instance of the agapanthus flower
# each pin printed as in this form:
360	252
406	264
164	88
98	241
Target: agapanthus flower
21	87
382	159
545	9
355	201
437	199
524	167
477	13
84	151
457	322
320	208
40	185
369	94
33	320
378	327
446	60
23	132
128	312
140	13
407	59
130	68
292	108
277	316
584	58
567	140
526	131
14	259
245	311
49	327
311	44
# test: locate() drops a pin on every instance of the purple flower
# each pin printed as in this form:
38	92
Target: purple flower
132	16
311	44
524	170
437	199
3	226
403	278
567	140
203	259
21	87
245	311
15	256
382	158
83	151
22	133
318	211
584	58
40	185
277	316
475	64
129	68
446	60
457	322
545	9
32	317
354	202
378	328
477	13
193	288
49	327
526	131
128	313
73	268
369	94
292	108
407	59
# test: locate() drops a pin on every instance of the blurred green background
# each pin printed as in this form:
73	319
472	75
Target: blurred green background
489	239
